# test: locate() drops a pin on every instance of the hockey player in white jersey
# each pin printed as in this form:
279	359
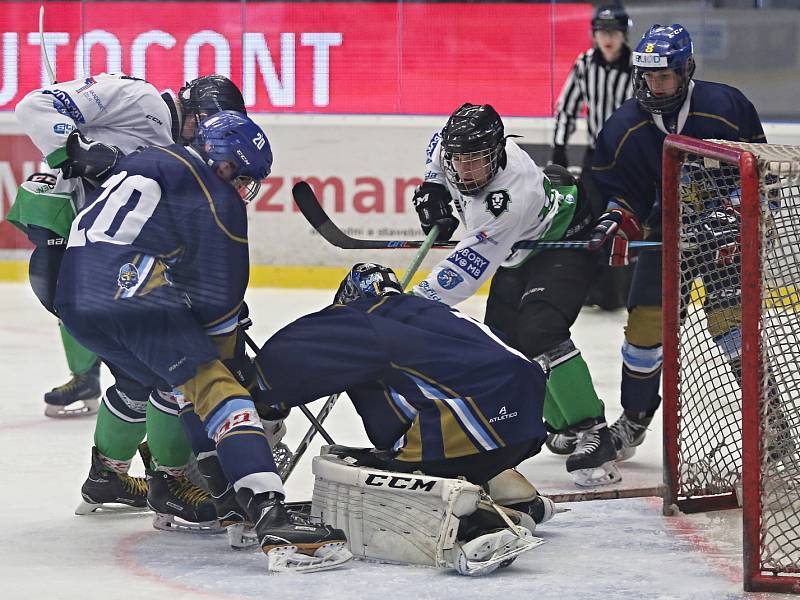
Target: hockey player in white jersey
83	128
503	197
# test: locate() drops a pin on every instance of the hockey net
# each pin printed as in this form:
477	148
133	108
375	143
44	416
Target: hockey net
731	257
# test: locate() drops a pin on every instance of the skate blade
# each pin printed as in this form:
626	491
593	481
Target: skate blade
626	453
88	508
492	551
79	408
605	474
291	559
241	536
166	522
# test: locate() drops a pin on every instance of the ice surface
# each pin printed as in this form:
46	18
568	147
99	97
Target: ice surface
609	549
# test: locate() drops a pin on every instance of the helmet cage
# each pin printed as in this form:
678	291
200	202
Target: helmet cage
662	104
470	172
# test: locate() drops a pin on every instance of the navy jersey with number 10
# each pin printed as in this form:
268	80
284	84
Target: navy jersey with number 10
162	219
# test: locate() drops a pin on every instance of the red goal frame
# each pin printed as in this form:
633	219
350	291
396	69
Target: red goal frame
676	148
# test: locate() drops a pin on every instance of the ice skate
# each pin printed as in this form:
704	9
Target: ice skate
76	398
107	490
231	516
592	463
293	542
628	432
178	503
562	442
491	551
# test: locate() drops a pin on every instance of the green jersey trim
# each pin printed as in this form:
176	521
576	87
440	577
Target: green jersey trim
34	206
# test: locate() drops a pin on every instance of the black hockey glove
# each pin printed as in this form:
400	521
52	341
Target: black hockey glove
432	202
718	232
613	231
560	156
89	159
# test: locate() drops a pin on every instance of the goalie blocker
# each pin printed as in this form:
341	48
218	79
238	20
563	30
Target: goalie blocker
419	519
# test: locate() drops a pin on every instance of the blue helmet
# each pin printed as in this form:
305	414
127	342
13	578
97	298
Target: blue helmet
367	280
229	136
663	47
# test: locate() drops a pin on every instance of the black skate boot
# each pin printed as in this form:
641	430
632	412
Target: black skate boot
77	397
562	442
231	516
178	503
104	486
592	463
293	542
628	432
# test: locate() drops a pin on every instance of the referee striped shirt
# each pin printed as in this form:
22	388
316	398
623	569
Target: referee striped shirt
600	85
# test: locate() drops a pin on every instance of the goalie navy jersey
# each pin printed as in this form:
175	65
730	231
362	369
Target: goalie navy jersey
627	160
428	381
162	219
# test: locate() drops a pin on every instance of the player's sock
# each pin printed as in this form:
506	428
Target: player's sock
120	425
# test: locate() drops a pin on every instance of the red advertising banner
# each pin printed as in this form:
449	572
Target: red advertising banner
309	57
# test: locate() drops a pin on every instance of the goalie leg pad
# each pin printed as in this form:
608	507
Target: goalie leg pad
400	517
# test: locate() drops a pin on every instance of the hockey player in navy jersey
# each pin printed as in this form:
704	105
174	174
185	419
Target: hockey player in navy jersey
153	281
437	391
627	170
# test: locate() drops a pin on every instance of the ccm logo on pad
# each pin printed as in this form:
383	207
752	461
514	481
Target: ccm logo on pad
398	482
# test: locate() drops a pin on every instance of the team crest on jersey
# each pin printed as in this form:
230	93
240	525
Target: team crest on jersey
128	276
448	278
497	202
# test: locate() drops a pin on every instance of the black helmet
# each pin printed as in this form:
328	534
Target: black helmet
208	95
473	147
611	17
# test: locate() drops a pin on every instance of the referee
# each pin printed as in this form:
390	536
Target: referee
601	80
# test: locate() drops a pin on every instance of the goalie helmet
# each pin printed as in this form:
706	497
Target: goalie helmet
231	137
206	96
663	47
472	149
367	280
611	17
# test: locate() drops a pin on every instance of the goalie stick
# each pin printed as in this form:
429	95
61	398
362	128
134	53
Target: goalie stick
312	210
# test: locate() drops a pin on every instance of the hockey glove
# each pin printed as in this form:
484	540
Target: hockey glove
47	179
89	159
432	202
718	232
613	231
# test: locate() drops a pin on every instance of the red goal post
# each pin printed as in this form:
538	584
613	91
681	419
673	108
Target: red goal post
731	377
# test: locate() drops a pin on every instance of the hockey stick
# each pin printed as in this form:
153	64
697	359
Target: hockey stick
328	406
312	210
45	60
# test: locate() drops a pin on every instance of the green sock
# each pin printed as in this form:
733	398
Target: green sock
570	385
115	438
79	359
166	439
552	414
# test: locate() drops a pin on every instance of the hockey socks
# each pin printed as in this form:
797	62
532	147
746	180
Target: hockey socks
79	359
165	436
119	429
570	392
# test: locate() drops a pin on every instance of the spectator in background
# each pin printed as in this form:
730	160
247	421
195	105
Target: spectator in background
601	80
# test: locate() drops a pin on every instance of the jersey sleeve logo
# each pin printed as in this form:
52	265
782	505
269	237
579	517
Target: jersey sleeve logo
65	105
448	278
497	202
